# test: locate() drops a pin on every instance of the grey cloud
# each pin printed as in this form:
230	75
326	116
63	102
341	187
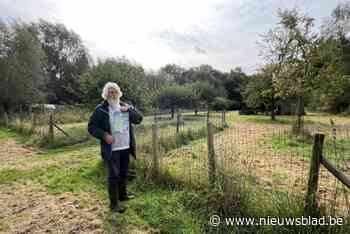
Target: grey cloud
185	42
224	39
232	32
200	50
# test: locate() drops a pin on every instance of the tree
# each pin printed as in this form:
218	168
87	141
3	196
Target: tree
130	77
221	103
334	61
173	73
174	96
21	66
156	80
234	83
259	92
205	93
67	59
291	46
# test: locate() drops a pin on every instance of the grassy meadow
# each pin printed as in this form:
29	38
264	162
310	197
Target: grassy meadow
262	170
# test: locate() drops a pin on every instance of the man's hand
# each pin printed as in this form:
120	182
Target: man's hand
124	108
108	138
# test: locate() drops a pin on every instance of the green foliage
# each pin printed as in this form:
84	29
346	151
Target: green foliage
174	96
67	59
21	66
130	78
333	62
258	91
207	92
313	67
6	133
221	103
289	48
208	83
234	83
173	73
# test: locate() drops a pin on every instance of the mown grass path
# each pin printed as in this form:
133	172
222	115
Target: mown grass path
63	191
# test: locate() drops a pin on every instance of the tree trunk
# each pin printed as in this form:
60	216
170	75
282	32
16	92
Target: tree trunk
172	112
2	109
300	112
6	107
273	106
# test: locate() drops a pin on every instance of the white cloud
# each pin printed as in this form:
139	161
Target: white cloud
222	33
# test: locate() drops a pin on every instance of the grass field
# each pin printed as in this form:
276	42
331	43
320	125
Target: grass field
60	188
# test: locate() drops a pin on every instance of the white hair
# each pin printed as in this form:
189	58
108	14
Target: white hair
110	85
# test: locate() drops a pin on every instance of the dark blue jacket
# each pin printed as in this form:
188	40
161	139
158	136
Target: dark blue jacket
99	125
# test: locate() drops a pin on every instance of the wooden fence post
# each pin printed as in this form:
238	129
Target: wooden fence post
33	118
155	145
155	115
223	121
208	116
211	155
338	174
30	109
310	201
82	114
178	116
20	111
51	132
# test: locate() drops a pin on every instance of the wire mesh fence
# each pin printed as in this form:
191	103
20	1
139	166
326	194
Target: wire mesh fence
179	138
266	156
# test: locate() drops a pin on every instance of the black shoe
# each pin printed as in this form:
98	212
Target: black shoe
113	191
123	194
118	209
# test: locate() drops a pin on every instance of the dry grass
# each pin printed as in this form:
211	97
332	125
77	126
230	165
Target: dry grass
245	147
28	208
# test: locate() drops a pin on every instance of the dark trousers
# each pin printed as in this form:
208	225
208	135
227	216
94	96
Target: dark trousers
118	166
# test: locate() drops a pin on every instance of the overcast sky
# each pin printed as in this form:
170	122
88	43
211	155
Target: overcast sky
221	33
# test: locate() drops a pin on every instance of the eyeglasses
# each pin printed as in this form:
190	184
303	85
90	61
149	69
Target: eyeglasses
113	92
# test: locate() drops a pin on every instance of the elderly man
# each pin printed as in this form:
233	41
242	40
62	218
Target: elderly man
111	124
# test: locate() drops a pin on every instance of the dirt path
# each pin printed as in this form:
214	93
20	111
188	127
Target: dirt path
27	207
15	156
11	152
